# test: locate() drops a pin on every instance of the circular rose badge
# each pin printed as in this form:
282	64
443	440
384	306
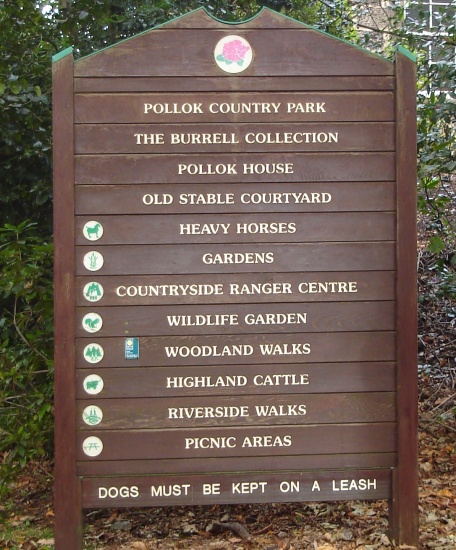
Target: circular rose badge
233	54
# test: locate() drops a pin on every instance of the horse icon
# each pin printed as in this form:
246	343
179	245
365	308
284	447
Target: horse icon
93	230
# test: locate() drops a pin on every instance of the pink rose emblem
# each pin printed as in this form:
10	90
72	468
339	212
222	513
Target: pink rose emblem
233	52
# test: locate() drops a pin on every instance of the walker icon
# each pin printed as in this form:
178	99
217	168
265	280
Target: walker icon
93	353
92	446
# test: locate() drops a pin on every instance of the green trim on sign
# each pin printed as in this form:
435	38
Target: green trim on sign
232	23
235	22
61	54
407	53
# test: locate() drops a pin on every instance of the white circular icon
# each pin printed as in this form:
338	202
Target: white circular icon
92	322
93	260
233	54
93	291
93	230
92	446
92	415
93	384
93	353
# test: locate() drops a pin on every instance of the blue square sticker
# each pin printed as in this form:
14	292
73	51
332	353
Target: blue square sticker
131	348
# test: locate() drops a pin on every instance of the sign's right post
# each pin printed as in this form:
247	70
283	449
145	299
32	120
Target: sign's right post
404	502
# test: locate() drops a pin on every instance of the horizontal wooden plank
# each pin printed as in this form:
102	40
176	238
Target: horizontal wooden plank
277	52
260	441
234	288
234	319
252	84
133	382
274	410
210	107
227	198
236	488
234	464
236	168
248	349
207	258
195	138
237	228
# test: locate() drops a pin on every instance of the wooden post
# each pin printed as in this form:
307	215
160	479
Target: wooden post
68	508
404	503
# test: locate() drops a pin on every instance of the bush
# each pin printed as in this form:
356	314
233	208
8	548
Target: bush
26	347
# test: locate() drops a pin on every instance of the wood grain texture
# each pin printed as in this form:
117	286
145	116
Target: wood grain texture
300	287
195	138
189	52
239	319
341	196
238	379
210	107
311	167
175	259
404	505
295	83
238	488
236	464
230	442
251	350
257	228
184	413
68	514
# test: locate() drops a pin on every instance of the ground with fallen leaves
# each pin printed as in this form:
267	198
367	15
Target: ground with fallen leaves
322	526
26	519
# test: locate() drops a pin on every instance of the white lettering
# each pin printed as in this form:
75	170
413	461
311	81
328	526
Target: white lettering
239	258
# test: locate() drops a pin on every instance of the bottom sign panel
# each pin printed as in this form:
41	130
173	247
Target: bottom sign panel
236	488
347	461
236	442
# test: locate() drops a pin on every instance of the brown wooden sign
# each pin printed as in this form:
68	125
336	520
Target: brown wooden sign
235	272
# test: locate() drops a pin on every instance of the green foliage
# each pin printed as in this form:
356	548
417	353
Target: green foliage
26	44
31	31
436	106
26	335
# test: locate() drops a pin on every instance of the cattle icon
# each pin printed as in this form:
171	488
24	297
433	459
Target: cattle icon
93	230
93	384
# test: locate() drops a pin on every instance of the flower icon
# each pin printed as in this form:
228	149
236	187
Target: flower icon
233	54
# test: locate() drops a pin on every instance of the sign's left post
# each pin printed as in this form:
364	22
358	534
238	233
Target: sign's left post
67	497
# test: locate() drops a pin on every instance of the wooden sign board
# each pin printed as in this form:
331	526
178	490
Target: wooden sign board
235	272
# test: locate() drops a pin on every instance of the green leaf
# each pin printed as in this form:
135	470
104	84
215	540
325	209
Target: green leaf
240	62
2	87
220	58
436	245
15	87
